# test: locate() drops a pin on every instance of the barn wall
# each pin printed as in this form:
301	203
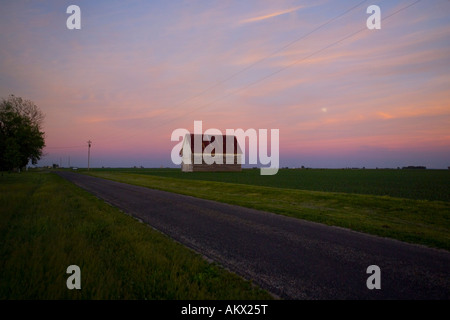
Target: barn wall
236	166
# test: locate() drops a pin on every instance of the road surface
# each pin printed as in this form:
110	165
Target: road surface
292	258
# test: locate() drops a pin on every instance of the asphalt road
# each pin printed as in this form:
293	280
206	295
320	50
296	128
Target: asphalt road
292	258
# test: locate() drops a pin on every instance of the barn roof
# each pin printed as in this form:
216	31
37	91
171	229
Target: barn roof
221	141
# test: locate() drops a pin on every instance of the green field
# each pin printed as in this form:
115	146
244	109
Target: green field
47	224
411	184
410	219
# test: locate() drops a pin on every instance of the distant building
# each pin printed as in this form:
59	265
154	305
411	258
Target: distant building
225	150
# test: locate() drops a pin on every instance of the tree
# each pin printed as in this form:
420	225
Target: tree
21	135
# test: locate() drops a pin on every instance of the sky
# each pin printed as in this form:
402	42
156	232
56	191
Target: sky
340	95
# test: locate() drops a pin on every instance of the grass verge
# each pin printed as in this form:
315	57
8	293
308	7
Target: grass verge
416	221
47	224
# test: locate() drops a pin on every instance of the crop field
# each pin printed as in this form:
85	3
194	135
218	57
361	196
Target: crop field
411	184
407	205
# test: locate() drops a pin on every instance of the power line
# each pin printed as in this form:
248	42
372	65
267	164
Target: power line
249	67
292	64
272	54
279	70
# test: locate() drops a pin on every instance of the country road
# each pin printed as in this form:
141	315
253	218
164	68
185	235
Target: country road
292	258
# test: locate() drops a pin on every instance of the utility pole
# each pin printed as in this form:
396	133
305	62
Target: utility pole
89	152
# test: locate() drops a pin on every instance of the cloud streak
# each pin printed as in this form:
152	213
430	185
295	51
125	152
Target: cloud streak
270	15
